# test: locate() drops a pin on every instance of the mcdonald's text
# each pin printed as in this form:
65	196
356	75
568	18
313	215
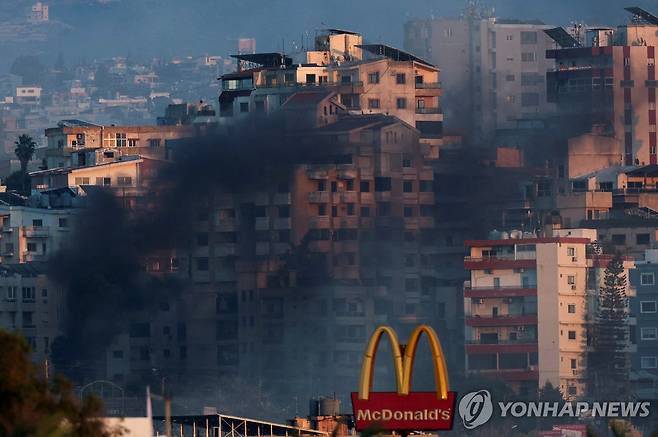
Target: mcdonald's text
422	411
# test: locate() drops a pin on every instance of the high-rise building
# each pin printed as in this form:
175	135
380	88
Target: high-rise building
492	70
528	307
610	81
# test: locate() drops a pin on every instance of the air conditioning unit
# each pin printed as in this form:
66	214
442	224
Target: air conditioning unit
573	287
574	259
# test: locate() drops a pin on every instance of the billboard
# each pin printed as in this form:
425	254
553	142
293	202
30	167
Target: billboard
404	410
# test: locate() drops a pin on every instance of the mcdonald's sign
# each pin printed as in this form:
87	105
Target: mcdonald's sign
404	410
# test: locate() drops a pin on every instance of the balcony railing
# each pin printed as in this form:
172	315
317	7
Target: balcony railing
428	110
428	85
503	342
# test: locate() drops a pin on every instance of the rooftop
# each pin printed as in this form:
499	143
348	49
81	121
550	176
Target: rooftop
392	53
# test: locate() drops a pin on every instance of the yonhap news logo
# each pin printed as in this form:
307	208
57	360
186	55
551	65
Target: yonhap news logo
477	408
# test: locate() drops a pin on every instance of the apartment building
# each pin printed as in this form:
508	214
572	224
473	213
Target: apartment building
368	78
643	307
73	136
492	70
610	82
527	308
300	267
31	305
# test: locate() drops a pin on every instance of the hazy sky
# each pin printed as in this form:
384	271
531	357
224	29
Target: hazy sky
168	27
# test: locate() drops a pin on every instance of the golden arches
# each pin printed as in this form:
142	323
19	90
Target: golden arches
368	366
404	365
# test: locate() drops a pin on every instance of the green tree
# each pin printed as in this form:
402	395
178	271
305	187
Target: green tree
33	406
24	150
608	360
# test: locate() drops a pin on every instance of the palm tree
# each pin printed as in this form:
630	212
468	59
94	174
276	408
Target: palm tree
24	150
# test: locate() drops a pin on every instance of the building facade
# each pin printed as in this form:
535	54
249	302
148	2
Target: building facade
528	306
493	71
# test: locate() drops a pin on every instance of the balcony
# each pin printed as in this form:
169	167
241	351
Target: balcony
262	224
428	85
282	223
383	196
282	199
498	262
367	198
37	232
428	110
346	171
506	320
504	346
32	257
346	222
322	222
349	197
225	249
316	172
497	292
349	87
318	197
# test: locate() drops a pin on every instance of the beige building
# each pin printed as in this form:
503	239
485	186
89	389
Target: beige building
368	79
527	309
493	70
73	136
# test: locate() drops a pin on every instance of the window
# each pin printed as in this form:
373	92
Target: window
81	181
334	211
120	139
401	103
573	363
373	77
528	57
154	143
648	362
408	186
132	142
571	308
425	186
244	106
528	37
509	78
373	103
571	251
28	294
572	390
571	335
104	181
124	181
400	78
647	278
364	186
63	223
408	211
648	334
365	211
618	239
529	99
648	306
382	184
322	186
350	209
349	185
642	239
31	247
117	354
202	264
37	223
334	186
11	293
322	209
571	280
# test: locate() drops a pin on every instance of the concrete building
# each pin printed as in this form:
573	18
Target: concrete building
31	305
610	82
492	70
368	78
527	308
73	136
643	307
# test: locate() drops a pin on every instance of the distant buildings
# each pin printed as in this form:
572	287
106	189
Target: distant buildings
39	13
493	70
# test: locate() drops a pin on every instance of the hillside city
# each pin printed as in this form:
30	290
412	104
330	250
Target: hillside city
228	230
